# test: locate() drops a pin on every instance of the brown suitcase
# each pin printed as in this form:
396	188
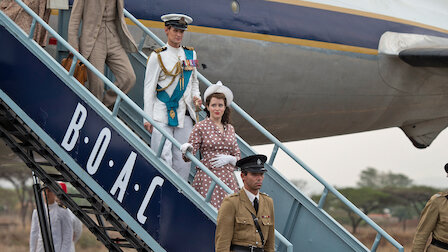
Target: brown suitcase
80	70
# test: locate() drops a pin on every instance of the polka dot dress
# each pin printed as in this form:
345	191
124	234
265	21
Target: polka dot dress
208	139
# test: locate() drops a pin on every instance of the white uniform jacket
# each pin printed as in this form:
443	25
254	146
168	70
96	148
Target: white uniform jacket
154	76
61	229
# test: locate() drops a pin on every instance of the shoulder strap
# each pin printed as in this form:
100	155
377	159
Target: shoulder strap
258	228
188	48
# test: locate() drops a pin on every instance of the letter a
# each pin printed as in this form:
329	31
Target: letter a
72	134
123	179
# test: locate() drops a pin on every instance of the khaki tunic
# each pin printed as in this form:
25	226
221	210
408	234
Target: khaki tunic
236	226
434	219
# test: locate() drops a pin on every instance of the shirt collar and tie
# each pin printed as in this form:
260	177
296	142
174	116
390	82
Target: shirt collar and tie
254	199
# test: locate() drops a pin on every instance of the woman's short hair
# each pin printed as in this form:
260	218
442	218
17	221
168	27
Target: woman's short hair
226	116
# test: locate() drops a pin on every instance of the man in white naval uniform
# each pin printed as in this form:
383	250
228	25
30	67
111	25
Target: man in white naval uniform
61	227
171	91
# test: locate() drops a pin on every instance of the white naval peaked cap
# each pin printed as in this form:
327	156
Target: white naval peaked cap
219	88
179	21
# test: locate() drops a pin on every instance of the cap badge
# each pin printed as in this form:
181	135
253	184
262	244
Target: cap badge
182	21
258	162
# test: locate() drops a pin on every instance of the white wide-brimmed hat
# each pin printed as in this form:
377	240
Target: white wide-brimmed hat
219	88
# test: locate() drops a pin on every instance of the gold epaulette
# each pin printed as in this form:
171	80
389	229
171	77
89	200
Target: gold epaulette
159	50
188	48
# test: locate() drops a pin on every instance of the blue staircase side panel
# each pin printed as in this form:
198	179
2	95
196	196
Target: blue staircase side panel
171	216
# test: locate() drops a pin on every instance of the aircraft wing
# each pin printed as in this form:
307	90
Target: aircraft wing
425	57
410	63
415	46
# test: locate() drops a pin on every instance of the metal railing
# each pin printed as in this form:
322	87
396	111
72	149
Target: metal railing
278	145
122	97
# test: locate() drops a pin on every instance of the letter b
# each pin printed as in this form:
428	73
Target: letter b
72	134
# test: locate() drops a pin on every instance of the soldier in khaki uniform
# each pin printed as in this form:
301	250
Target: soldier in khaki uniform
434	219
236	229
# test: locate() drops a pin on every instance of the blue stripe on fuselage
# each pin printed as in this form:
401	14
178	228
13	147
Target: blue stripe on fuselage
279	19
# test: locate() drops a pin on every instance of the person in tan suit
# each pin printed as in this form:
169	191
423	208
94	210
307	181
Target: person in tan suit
434	223
104	39
246	218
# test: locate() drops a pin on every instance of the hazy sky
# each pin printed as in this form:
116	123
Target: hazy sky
340	159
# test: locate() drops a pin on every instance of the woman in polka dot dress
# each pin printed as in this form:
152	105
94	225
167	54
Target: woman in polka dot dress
215	138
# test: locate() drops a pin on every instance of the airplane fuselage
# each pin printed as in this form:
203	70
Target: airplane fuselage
308	69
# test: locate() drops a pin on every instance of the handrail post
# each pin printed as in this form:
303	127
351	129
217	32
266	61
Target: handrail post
210	191
161	145
376	243
32	29
73	66
323	198
273	155
116	106
142	42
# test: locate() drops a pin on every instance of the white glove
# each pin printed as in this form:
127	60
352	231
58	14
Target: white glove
221	160
186	147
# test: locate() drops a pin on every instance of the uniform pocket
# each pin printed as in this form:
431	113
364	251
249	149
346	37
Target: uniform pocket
243	220
266	224
266	221
244	227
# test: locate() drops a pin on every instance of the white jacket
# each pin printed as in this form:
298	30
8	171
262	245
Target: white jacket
155	108
61	229
77	230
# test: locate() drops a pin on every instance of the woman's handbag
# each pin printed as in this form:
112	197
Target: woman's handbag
57	4
80	70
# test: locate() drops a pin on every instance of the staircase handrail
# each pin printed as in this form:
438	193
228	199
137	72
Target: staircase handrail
277	145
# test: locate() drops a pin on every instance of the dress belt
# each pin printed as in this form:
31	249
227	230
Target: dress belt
238	248
439	244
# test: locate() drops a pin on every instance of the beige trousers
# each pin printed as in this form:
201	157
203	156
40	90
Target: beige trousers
108	50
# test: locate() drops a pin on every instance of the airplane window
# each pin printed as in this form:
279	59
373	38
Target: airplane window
235	7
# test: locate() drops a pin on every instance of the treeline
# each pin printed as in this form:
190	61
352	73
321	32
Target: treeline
18	200
379	192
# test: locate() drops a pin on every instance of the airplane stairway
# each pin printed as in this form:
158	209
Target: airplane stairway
46	114
27	145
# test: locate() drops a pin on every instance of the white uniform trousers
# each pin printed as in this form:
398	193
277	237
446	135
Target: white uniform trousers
170	153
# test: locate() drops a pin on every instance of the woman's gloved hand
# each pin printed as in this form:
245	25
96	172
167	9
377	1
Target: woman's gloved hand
222	159
186	147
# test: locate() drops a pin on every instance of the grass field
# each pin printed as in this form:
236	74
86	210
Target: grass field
15	238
